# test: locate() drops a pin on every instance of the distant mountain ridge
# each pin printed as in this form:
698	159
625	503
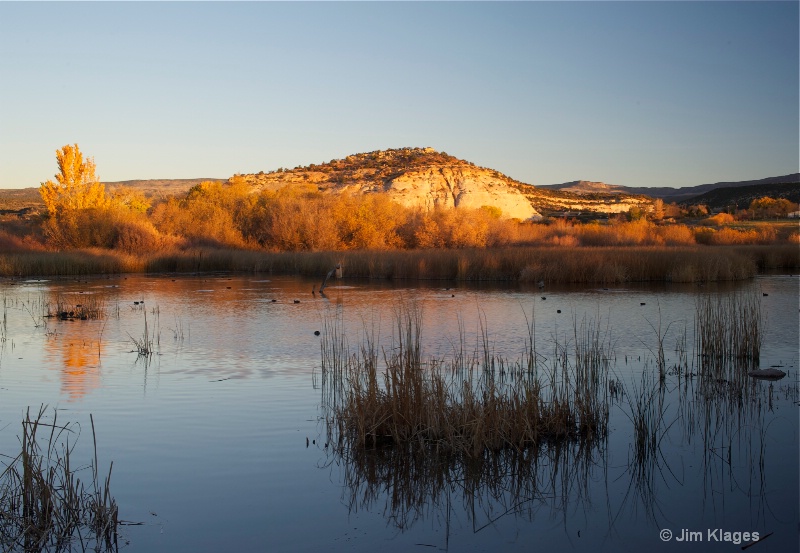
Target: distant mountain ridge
163	187
667	194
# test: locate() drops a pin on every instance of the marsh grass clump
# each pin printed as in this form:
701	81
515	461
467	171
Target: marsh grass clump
729	333
399	399
44	503
147	344
91	307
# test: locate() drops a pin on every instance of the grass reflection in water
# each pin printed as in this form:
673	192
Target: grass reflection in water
416	436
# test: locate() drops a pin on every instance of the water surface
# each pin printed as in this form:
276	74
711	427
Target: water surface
208	435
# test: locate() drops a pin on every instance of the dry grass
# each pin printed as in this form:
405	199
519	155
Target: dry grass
44	505
519	263
729	333
503	437
92	307
150	340
397	398
74	263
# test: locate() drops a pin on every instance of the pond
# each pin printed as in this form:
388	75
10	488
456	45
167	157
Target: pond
219	440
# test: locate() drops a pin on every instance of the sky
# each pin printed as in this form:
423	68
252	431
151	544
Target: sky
629	93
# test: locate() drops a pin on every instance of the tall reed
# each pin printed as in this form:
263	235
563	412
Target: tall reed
457	406
729	333
44	504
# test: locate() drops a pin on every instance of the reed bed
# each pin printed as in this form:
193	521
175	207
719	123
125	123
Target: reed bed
397	398
92	307
44	504
73	263
729	332
516	437
514	263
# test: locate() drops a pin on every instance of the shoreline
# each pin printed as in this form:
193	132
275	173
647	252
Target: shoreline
606	265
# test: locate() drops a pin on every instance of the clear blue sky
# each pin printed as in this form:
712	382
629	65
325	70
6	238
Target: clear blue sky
630	93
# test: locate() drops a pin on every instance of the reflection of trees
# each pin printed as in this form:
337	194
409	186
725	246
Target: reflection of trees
79	349
74	338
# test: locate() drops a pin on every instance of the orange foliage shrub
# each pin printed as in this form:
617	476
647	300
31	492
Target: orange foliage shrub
207	216
728	236
676	235
720	219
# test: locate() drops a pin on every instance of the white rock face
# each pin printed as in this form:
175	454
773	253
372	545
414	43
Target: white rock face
449	187
413	177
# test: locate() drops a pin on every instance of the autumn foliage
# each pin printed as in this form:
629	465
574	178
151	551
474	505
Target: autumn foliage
81	213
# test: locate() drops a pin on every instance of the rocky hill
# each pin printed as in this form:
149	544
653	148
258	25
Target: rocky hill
588	187
410	176
558	203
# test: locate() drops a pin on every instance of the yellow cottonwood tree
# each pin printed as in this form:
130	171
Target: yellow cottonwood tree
76	202
76	185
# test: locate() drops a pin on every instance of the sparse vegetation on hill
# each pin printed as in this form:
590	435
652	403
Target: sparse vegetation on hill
374	169
412	177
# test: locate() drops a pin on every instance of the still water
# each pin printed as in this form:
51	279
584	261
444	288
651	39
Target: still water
218	438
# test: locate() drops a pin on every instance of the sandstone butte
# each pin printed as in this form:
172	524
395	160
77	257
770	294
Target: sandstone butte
413	177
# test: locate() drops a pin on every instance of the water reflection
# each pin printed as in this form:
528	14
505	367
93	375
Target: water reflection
227	393
76	349
411	486
705	438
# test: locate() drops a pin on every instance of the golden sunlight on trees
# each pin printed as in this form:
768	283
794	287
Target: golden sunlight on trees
76	185
304	217
81	214
767	207
210	215
75	191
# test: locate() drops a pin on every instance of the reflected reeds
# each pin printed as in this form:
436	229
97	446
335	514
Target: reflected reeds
478	435
500	436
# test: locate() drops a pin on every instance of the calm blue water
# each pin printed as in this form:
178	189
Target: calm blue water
208	435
